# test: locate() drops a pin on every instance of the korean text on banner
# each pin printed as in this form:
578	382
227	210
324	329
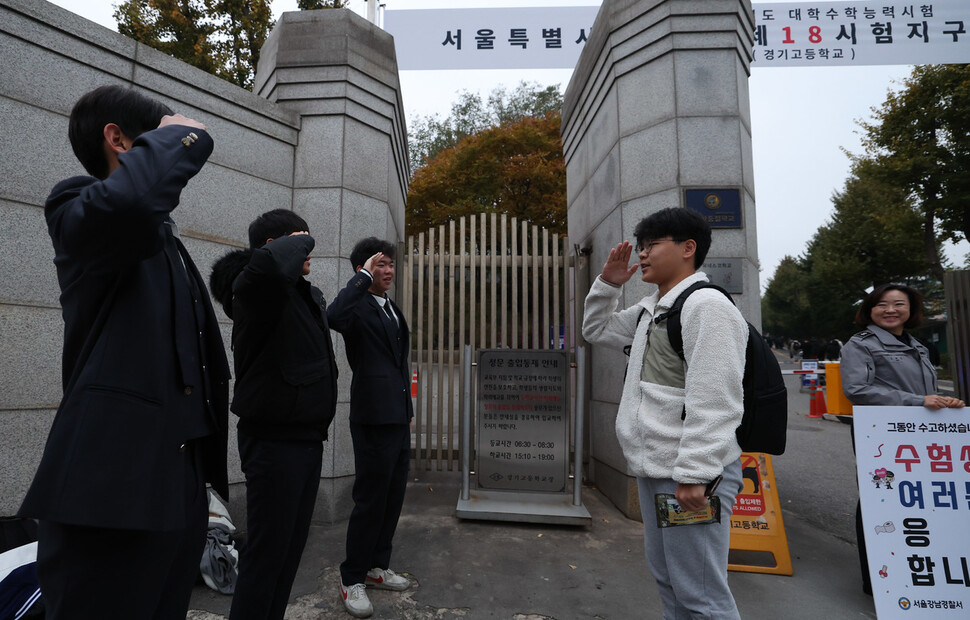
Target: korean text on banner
482	38
886	32
756	521
914	483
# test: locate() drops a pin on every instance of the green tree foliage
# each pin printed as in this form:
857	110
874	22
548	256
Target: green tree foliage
223	37
907	194
785	306
180	28
311	5
471	114
244	26
921	137
515	168
873	237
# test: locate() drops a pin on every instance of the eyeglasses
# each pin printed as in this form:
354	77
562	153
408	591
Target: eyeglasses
646	249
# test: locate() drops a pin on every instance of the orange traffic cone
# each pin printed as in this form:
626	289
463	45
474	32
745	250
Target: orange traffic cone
820	404
814	411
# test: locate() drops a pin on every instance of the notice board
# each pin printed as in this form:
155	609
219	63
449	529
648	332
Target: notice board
523	419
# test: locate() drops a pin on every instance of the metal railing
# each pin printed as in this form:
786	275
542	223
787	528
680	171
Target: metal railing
487	281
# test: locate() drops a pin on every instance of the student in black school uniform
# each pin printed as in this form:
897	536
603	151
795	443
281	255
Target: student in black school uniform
377	338
285	397
120	491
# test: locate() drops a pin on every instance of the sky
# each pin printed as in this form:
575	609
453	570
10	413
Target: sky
802	118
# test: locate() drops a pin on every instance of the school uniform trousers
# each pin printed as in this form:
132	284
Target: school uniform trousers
285	397
282	478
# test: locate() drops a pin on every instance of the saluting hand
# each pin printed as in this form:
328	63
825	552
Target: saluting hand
617	270
372	262
178	119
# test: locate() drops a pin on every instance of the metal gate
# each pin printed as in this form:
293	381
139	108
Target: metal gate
488	281
957	286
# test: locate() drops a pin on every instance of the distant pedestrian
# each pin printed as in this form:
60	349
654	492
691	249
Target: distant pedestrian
805	346
833	349
883	365
677	428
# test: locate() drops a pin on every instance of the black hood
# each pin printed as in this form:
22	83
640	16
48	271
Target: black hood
224	273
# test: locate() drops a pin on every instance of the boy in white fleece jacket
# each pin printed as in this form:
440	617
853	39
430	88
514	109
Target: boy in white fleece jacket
677	418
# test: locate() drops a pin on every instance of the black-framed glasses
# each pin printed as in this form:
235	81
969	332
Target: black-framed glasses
649	245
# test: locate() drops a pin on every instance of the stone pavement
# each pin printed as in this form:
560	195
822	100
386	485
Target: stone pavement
498	570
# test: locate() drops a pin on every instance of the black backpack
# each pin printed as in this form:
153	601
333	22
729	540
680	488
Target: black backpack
764	425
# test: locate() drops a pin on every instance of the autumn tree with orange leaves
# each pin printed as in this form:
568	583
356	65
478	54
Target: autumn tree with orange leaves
515	168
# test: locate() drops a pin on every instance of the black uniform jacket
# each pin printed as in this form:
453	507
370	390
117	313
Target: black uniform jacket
137	318
286	374
380	391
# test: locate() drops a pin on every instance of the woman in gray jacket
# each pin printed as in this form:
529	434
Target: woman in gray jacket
883	365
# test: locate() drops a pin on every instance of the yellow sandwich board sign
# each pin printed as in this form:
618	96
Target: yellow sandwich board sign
758	540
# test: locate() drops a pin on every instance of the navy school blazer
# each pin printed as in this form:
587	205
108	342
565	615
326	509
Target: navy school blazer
380	390
116	454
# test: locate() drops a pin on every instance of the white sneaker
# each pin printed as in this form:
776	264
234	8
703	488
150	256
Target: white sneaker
386	579
355	600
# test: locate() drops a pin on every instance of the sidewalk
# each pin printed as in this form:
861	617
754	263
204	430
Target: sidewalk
479	569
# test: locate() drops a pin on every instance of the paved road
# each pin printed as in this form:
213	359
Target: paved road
816	475
491	570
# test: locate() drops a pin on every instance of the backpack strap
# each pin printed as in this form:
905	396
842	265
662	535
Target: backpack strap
672	316
626	349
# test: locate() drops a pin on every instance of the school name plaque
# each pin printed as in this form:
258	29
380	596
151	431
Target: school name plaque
523	418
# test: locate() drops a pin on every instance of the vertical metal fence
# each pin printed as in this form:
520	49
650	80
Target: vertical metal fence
488	281
957	287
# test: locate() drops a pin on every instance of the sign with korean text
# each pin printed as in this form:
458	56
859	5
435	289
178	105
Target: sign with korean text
756	522
914	483
884	32
523	417
787	34
725	272
720	207
809	370
482	38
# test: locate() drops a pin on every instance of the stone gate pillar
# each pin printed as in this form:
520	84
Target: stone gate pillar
350	173
658	104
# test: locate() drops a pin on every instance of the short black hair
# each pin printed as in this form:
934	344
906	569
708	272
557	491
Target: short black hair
132	111
273	225
863	318
368	247
680	224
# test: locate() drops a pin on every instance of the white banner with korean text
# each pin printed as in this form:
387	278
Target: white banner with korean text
787	34
914	484
505	38
884	32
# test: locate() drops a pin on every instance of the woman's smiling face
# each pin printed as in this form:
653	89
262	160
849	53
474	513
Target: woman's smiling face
892	311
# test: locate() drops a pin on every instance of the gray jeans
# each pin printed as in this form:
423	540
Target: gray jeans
690	562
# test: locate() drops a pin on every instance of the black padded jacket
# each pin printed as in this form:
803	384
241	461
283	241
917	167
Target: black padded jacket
286	374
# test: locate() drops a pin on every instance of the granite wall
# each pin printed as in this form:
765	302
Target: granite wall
658	104
324	135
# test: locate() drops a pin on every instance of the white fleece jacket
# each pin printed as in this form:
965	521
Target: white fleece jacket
656	442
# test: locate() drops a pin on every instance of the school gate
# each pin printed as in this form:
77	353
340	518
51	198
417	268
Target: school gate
488	281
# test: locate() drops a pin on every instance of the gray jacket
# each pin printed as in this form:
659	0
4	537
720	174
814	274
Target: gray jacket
878	369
